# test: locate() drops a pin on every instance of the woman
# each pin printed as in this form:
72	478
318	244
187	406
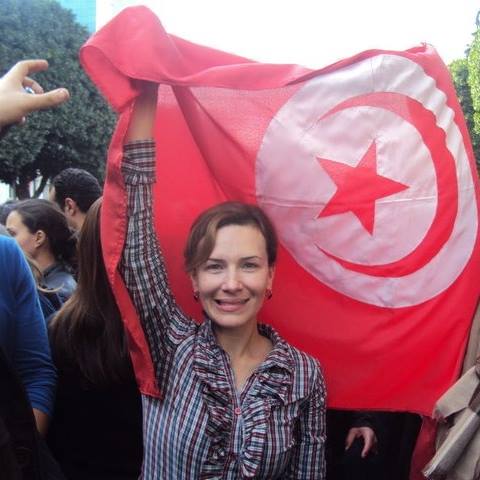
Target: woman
238	401
41	230
96	432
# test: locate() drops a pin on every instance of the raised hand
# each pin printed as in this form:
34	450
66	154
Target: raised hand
16	102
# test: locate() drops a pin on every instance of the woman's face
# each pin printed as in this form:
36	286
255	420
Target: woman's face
233	281
17	229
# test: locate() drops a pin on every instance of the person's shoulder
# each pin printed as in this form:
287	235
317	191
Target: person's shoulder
308	375
6	242
9	250
306	365
305	369
58	277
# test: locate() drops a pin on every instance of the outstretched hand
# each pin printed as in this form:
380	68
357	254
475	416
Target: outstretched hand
15	102
369	439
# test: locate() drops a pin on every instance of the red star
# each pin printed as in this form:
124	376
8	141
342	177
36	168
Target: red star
358	188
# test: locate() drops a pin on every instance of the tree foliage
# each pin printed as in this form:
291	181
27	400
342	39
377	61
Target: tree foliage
466	78
473	62
460	74
75	134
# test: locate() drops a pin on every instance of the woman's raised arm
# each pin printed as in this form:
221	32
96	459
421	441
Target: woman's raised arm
142	265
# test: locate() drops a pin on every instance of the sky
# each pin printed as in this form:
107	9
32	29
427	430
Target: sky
316	33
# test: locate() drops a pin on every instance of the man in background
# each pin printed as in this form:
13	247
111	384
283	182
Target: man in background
74	190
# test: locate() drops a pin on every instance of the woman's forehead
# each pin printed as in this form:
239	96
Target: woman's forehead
239	240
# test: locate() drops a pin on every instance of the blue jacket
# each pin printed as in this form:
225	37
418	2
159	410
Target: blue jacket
57	277
23	334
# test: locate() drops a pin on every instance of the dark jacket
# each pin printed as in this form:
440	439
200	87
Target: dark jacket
23	454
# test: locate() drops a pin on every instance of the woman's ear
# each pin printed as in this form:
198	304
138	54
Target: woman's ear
40	238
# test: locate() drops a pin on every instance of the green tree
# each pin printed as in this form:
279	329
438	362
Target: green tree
466	78
473	66
460	75
75	134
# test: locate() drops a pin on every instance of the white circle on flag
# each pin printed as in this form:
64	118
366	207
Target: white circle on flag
293	188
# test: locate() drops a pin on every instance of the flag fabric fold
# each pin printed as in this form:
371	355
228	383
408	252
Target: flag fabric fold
367	171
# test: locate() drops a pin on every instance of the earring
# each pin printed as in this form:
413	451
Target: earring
196	295
268	294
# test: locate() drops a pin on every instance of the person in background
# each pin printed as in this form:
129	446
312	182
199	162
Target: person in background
23	331
370	445
96	431
5	209
25	353
41	229
16	103
74	190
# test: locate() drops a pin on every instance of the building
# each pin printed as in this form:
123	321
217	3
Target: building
84	11
92	14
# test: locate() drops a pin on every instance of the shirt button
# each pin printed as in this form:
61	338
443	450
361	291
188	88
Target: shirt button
238	411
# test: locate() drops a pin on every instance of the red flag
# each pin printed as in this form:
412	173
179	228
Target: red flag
366	169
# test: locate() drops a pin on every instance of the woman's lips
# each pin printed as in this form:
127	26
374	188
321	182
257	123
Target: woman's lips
230	305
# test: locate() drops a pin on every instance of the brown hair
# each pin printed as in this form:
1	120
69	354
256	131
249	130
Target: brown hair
203	232
88	331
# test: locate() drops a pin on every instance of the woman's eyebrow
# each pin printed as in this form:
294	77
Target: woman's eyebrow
250	257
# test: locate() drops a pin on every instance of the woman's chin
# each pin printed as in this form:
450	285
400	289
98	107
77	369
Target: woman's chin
229	320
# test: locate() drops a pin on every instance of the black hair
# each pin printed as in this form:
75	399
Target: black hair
77	184
5	209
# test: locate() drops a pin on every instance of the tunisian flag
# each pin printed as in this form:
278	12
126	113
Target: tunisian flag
367	171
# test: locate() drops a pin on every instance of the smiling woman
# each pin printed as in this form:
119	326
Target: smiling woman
233	282
230	256
237	400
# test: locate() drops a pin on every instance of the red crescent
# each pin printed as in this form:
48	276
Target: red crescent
441	228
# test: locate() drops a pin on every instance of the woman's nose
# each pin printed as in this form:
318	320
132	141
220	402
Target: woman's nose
232	281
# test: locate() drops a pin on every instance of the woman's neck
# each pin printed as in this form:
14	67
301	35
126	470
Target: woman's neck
246	349
243	344
44	259
237	342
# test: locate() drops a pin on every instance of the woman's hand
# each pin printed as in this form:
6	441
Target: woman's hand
16	102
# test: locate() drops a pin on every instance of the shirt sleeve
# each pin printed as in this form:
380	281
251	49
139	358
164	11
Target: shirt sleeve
362	418
308	460
142	265
31	356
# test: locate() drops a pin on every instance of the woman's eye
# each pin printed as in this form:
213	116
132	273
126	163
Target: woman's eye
213	267
250	265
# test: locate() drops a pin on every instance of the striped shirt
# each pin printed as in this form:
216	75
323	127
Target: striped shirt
203	428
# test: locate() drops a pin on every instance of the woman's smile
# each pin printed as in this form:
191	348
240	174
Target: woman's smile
231	305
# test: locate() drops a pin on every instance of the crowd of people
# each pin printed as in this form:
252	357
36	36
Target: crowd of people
237	400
